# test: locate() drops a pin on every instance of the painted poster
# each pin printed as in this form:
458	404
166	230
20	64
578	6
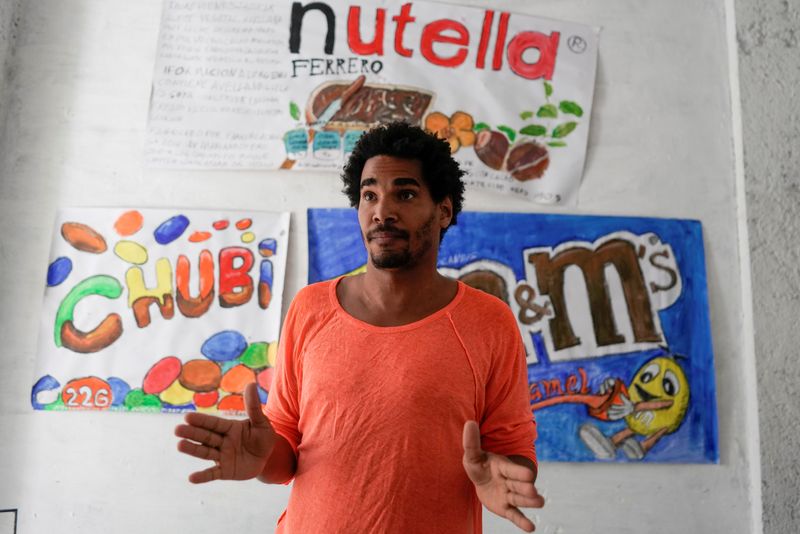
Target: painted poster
614	315
293	85
160	310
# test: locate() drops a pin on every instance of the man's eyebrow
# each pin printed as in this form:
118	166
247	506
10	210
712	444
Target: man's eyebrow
406	181
397	182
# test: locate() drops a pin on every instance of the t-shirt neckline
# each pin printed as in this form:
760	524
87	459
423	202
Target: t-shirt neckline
399	328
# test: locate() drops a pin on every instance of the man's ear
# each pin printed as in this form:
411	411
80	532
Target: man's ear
445	212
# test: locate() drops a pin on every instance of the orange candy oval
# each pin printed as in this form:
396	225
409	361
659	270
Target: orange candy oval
235	380
83	238
129	223
231	403
220	225
90	393
198	237
244	224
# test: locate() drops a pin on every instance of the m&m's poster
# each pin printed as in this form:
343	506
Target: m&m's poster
613	313
160	310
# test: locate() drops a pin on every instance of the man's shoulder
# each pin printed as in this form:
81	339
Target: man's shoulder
314	296
487	326
310	310
481	299
485	309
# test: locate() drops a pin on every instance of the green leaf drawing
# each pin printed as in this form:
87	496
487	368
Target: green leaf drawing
533	129
571	108
294	111
481	126
548	111
508	131
548	90
563	130
525	115
556	143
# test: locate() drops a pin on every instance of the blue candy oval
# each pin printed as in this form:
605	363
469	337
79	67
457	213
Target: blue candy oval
171	229
58	271
119	390
224	346
46	383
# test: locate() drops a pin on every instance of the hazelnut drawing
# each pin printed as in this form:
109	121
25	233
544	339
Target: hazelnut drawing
528	161
491	148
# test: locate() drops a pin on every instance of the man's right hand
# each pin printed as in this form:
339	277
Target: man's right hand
239	449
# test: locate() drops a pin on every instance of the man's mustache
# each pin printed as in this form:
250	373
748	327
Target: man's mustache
386	229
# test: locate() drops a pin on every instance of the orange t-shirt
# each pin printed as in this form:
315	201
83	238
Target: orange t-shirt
375	414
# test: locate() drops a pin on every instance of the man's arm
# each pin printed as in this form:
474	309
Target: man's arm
281	464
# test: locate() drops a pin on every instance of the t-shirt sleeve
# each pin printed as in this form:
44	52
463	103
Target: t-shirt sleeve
283	400
508	426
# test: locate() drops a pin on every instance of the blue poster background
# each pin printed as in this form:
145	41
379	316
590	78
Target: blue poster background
335	248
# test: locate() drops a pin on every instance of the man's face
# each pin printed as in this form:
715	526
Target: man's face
400	222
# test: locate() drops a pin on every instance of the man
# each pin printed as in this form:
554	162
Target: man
400	399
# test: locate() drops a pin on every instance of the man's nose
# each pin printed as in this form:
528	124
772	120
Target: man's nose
385	211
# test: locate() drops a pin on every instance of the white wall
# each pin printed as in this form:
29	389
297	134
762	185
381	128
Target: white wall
9	19
660	146
769	52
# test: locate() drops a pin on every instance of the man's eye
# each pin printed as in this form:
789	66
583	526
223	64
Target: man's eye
407	195
368	195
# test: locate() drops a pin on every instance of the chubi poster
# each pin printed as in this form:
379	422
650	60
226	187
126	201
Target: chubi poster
293	85
160	310
614	315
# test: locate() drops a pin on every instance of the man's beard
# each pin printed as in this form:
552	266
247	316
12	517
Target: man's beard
401	259
392	260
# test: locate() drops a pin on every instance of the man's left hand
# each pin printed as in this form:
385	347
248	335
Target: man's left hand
502	485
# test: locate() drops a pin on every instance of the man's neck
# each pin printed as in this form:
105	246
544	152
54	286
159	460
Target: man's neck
384	297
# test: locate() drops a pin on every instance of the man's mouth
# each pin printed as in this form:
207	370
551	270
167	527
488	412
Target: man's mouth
386	234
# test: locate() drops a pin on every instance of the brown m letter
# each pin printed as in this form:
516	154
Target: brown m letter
622	255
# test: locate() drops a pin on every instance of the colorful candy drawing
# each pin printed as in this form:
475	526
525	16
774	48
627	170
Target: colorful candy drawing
170	384
199	319
613	313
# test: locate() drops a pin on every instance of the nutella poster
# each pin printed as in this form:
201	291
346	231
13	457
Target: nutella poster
613	312
292	85
160	310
